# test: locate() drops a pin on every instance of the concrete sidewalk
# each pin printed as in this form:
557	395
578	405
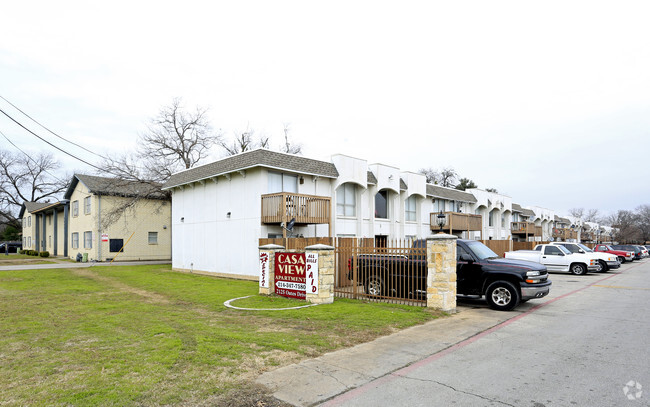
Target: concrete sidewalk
316	380
68	265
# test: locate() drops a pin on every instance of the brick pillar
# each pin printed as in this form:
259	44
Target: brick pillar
324	284
266	263
441	278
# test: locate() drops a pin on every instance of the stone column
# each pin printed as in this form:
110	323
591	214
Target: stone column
267	264
325	282
441	279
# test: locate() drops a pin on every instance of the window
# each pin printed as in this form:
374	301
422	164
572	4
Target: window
29	241
491	218
75	208
503	220
438	205
50	245
75	240
88	240
29	221
346	200
381	205
282	183
114	245
24	242
87	205
153	237
410	209
552	251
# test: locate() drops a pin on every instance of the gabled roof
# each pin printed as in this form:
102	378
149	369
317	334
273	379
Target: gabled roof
517	208
31	207
402	185
451	194
528	212
50	206
250	159
115	187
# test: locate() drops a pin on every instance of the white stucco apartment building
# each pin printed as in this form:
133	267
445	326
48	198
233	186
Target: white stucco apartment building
222	209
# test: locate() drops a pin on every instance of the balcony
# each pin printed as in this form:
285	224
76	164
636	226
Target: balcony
564	234
457	222
306	209
525	228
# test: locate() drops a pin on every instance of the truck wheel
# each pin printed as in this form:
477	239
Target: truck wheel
502	296
374	286
578	269
621	259
604	268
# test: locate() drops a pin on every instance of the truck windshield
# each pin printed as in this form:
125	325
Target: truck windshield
564	249
585	248
481	251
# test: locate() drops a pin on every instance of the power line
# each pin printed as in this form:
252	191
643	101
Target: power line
61	137
42	139
27	155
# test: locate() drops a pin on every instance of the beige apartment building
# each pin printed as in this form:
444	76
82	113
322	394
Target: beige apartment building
114	219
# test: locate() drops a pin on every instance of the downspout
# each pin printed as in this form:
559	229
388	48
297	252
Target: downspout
99	228
66	213
55	232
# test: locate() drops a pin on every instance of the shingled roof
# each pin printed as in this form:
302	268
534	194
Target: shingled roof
250	159
31	207
372	180
517	208
115	187
451	194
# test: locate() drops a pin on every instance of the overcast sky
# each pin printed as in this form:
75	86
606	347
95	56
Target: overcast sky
549	102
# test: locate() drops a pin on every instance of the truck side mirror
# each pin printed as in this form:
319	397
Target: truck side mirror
466	257
580	251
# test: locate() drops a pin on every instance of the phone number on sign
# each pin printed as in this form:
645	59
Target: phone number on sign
291	286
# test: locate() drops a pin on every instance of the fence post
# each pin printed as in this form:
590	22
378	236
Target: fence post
320	285
267	268
441	277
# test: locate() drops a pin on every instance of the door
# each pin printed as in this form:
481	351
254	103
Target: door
468	273
554	259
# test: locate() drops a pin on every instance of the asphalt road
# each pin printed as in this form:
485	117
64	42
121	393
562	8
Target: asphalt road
583	346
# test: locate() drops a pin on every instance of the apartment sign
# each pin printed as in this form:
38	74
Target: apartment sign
290	278
264	270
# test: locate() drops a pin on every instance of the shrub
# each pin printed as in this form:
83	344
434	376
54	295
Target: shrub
44	254
33	253
22	251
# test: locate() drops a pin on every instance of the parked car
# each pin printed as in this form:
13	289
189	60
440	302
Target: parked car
644	251
606	261
637	252
12	247
504	283
557	258
623	255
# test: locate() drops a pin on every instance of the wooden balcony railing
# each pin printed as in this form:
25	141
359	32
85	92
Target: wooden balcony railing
457	222
306	209
525	228
564	233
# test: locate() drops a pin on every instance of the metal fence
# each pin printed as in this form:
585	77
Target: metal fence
396	273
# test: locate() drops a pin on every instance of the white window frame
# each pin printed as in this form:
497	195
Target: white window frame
150	235
387	192
87	206
75	209
88	240
411	209
74	240
346	200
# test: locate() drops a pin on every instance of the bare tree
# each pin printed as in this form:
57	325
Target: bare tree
494	190
244	141
289	147
643	220
577	212
625	224
593	215
430	174
177	137
448	177
27	179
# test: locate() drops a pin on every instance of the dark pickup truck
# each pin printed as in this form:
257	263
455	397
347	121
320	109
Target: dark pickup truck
503	282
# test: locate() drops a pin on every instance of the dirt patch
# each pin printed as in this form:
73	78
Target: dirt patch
253	395
152	297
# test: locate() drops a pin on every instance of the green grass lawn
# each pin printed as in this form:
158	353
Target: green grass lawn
147	335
